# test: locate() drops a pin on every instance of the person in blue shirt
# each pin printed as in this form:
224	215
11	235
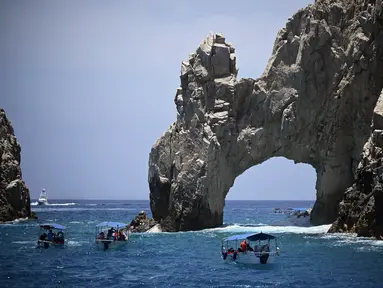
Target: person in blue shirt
50	235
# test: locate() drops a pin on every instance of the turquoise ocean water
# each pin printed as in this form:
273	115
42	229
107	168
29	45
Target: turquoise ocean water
309	257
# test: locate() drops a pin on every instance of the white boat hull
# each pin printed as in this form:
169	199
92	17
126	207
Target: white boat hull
250	257
42	201
47	244
109	244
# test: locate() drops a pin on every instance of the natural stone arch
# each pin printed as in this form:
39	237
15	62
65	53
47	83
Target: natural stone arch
313	105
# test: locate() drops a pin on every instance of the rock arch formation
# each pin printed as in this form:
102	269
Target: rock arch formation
313	104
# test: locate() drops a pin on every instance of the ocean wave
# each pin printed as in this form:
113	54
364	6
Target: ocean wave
74	243
23	242
63	209
347	239
18	220
254	228
271	229
54	204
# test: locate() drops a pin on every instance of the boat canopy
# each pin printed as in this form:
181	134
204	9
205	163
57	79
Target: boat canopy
251	237
52	226
111	224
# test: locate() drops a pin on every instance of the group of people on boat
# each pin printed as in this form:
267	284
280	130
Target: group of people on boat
53	237
245	246
113	234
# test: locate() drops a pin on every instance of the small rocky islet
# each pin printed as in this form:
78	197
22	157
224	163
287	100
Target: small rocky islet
319	101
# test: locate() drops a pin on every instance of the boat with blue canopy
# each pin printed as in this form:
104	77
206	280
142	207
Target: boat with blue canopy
111	234
51	234
239	248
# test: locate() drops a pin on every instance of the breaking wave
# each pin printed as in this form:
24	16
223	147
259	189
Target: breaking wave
238	228
54	204
254	228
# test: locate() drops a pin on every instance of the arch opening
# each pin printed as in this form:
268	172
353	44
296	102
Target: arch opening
275	179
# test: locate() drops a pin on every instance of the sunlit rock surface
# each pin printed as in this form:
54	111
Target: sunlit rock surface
313	104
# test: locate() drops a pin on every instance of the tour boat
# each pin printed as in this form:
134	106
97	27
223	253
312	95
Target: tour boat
43	199
238	248
51	234
111	234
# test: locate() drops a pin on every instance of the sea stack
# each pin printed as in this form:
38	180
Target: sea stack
14	194
313	104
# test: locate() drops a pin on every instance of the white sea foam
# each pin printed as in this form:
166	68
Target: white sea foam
24	242
240	228
271	229
155	229
77	243
350	239
18	220
62	209
54	204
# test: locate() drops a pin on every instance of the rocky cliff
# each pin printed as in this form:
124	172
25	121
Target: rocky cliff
361	210
14	194
313	104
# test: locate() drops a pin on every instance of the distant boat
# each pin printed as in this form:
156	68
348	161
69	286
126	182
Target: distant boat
43	199
282	210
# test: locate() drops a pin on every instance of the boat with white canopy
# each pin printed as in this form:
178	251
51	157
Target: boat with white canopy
239	248
111	234
52	234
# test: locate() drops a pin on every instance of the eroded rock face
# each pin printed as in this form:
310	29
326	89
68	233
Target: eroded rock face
313	104
141	223
14	194
361	210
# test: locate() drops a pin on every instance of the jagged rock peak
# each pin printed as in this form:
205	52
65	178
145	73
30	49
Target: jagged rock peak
14	194
313	104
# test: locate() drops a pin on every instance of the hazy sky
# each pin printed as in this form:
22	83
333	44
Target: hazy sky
89	87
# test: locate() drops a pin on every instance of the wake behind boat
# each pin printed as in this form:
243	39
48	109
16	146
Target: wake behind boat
43	199
246	253
112	237
48	237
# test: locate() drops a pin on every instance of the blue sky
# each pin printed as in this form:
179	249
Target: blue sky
89	87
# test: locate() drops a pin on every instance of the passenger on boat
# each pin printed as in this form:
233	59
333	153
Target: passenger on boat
265	248
244	246
59	239
110	234
121	236
230	251
43	236
50	236
101	236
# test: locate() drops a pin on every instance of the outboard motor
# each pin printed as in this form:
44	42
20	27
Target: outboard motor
224	255
263	258
106	245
